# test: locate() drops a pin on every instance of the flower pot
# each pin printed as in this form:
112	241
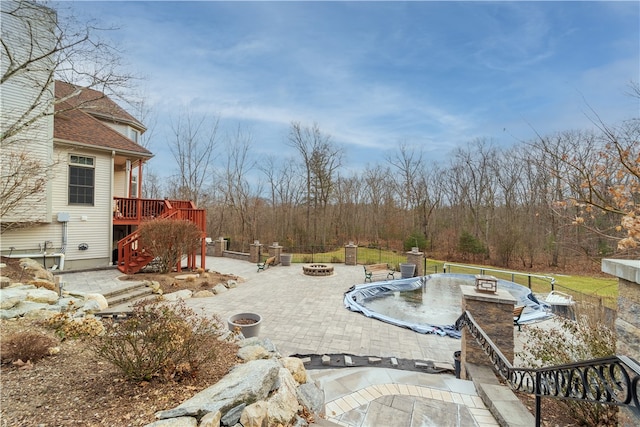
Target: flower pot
285	259
248	323
407	270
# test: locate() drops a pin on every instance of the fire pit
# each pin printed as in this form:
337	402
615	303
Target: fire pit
317	270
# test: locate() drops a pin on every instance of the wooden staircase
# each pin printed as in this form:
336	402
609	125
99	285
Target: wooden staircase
132	256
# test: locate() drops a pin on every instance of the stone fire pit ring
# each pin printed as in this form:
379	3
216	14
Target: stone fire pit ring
317	269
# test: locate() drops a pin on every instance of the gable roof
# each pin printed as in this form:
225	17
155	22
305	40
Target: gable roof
73	123
95	103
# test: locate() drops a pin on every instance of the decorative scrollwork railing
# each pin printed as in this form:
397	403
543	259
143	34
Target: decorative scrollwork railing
611	380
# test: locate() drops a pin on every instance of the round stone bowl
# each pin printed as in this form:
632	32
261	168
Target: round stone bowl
248	323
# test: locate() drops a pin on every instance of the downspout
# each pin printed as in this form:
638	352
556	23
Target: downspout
111	180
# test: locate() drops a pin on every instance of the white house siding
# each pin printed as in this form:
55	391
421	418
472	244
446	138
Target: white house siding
18	94
120	180
87	224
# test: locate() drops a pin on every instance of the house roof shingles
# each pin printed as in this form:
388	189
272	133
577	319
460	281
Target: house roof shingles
75	120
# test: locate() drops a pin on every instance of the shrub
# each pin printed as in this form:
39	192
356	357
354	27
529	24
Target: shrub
159	340
168	240
588	337
66	325
26	346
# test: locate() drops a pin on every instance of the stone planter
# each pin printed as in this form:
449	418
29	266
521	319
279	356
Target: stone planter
285	259
249	323
407	270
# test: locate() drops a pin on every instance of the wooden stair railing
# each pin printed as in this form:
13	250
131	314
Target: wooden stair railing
132	257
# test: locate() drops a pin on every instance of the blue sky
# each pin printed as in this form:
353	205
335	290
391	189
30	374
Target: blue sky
373	74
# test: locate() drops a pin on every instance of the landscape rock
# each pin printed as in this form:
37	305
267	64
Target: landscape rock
35	269
4	281
311	396
41	295
10	297
296	368
212	419
282	405
231	284
254	415
178	295
175	422
246	383
219	289
232	416
253	352
100	299
43	283
25	307
90	307
203	294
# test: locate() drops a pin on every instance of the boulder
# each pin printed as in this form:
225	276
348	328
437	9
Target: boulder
175	422
231	284
178	295
282	405
311	396
219	288
212	419
42	283
25	307
10	297
99	298
246	383
296	367
232	416
89	307
35	269
253	352
44	296
254	415
203	294
4	281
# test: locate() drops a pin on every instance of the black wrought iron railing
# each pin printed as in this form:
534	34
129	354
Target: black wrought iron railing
611	380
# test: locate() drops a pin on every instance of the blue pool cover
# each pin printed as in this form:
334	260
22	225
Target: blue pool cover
444	306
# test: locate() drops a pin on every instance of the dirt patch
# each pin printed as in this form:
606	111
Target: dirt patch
74	388
195	280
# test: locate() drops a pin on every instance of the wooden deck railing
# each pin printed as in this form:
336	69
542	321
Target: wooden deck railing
132	257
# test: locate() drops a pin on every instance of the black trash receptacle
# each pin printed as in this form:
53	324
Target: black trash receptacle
456	363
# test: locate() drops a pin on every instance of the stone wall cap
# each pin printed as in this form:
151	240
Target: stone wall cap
627	269
501	296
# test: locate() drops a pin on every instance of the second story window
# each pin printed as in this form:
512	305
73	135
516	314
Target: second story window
81	180
134	135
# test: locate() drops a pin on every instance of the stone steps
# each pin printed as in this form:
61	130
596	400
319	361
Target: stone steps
128	294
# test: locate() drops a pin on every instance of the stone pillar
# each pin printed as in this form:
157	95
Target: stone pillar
627	322
275	250
494	314
351	254
255	250
416	257
219	246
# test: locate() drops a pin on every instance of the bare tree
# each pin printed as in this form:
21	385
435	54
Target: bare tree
38	48
321	159
239	195
193	148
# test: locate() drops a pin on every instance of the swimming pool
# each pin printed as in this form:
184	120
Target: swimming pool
430	304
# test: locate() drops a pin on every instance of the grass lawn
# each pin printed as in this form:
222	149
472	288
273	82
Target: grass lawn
580	287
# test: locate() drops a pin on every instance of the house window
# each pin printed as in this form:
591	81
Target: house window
134	135
81	180
133	190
